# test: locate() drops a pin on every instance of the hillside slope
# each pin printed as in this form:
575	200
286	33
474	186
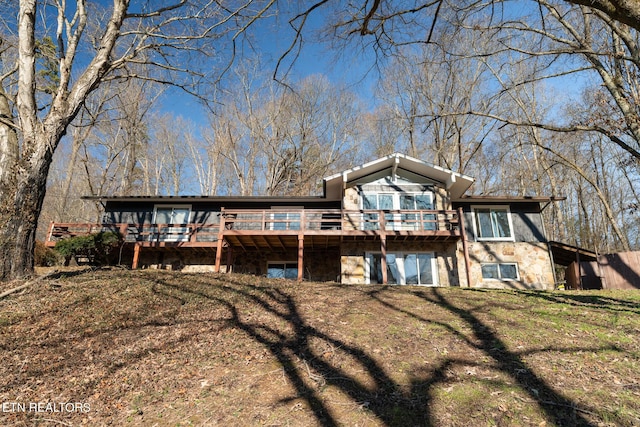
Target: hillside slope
164	348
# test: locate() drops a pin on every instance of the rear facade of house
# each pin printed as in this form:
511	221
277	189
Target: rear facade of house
396	220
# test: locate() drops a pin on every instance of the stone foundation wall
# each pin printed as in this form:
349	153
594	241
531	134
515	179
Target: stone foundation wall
318	265
189	260
534	264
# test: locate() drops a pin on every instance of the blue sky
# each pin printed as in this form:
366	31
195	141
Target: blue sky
270	39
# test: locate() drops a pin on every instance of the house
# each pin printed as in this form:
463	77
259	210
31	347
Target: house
395	220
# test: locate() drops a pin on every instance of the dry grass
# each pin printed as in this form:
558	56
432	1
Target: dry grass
162	348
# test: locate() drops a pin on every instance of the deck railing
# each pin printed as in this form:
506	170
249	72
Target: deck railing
273	221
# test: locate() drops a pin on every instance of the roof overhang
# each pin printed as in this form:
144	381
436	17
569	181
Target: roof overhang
564	254
214	199
454	182
508	199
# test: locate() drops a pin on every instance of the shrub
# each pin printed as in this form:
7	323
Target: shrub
45	256
97	247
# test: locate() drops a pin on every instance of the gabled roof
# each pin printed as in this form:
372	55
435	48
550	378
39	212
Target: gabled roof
454	182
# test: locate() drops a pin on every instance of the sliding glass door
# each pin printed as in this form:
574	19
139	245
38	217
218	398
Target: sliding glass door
403	268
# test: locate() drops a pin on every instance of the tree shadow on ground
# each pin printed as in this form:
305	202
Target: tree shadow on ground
612	302
389	401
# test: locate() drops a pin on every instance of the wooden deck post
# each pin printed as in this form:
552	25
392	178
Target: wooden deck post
300	257
383	258
229	259
50	231
216	269
465	246
136	255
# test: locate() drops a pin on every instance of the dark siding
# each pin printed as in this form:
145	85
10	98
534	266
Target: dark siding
130	213
525	218
141	212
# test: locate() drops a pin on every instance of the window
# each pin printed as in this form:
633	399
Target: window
171	215
493	223
403	268
399	201
417	202
507	271
374	201
282	270
285	220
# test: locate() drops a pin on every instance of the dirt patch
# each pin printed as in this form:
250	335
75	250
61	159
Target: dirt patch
166	348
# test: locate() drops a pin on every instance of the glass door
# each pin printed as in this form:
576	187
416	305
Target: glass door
403	268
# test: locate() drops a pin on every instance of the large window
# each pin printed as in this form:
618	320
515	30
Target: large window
403	268
285	220
399	201
493	223
505	271
282	270
174	216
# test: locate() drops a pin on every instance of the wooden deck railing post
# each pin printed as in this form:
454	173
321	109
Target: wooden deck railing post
50	232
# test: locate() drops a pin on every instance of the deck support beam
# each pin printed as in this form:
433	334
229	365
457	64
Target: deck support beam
465	246
383	258
136	256
300	257
229	259
219	243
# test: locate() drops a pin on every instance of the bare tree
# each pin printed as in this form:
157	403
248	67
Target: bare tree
128	38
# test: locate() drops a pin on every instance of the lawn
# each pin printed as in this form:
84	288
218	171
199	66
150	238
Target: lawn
120	347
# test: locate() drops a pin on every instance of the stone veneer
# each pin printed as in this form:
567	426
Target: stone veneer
352	259
534	264
320	265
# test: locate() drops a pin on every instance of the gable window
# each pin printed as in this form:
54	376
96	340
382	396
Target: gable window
399	201
493	223
506	271
282	270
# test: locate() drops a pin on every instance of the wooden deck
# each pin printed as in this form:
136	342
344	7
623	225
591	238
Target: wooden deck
275	229
278	228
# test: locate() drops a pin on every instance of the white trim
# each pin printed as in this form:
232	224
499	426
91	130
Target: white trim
476	233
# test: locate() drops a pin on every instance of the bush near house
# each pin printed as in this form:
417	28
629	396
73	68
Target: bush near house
45	256
95	248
